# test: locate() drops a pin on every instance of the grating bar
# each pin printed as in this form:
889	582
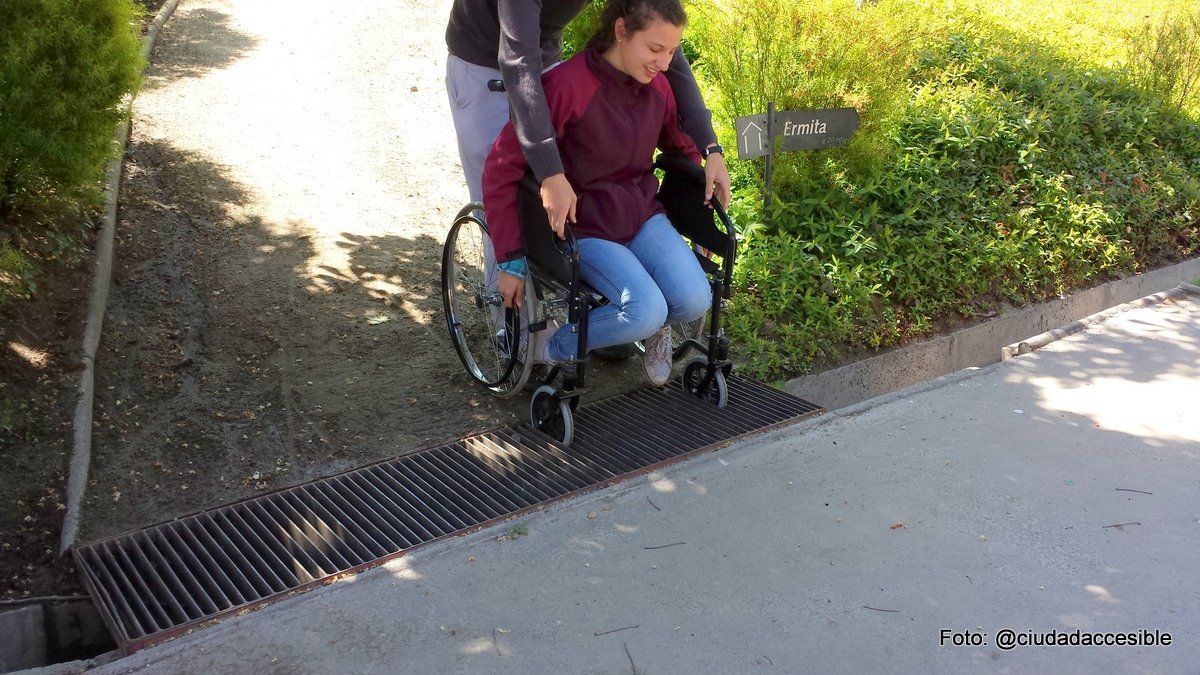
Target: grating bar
156	583
239	587
255	569
365	546
219	581
489	485
163	599
485	498
174	591
269	553
201	600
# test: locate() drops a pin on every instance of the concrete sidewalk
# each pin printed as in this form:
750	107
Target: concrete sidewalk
1054	492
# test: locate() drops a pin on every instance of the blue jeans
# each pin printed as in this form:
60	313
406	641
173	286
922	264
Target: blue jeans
649	282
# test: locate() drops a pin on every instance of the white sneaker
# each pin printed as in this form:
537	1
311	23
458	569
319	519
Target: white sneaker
657	359
542	354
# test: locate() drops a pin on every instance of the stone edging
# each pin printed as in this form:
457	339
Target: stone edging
1037	342
1042	339
981	345
81	447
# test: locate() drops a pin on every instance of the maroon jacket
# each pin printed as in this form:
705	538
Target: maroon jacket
608	125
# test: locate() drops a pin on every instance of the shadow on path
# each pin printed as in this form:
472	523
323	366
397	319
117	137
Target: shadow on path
203	40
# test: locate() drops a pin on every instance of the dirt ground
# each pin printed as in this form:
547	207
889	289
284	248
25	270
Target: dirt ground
275	311
39	366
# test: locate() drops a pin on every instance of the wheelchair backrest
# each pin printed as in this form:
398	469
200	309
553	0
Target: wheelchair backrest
682	195
536	235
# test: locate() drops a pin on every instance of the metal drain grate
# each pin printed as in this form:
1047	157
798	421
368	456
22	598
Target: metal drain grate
156	583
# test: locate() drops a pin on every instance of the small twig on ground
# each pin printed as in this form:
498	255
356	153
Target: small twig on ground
631	663
880	610
969	579
615	630
1140	492
652	548
653	504
1119	525
496	643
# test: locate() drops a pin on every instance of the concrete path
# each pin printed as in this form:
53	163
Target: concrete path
1052	494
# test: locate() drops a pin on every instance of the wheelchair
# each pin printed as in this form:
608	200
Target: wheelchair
496	344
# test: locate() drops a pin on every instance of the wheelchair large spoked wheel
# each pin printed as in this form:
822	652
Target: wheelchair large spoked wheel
551	414
715	391
491	341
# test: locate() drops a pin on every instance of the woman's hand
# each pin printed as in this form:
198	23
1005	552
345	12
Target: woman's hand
559	201
512	288
716	175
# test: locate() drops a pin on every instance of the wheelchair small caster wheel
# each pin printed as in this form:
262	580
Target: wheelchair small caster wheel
552	415
716	391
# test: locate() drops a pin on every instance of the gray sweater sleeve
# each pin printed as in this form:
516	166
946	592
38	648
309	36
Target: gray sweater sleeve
694	118
520	61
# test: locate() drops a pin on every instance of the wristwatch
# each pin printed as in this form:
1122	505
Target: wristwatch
705	152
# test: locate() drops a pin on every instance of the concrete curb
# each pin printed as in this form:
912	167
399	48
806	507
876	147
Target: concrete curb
81	447
976	346
1041	340
883	399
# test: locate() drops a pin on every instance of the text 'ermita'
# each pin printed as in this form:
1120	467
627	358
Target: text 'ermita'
816	126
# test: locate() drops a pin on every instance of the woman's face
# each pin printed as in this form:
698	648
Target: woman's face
643	54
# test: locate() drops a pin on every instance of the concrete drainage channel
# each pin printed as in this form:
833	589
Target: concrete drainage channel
154	584
51	631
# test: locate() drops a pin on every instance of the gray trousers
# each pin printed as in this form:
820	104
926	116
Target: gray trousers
479	114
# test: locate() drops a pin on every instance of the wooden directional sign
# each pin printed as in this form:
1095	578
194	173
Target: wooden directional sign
796	129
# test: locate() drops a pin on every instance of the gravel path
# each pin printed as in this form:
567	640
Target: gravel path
290	177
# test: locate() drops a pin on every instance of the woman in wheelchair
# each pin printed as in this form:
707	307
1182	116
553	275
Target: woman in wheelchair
611	108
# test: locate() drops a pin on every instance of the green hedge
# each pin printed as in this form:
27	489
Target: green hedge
66	66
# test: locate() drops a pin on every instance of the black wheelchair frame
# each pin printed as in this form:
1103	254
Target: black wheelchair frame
497	344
